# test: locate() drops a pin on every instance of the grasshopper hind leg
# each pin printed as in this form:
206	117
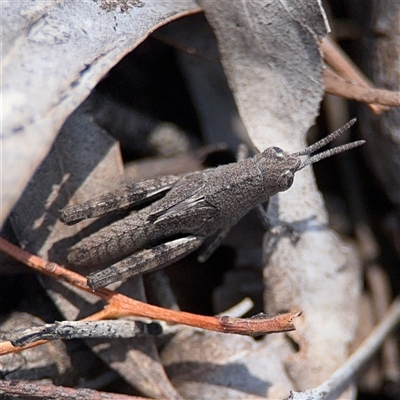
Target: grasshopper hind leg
145	261
111	243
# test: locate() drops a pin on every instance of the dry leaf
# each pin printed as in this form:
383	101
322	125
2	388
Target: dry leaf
227	366
271	57
54	53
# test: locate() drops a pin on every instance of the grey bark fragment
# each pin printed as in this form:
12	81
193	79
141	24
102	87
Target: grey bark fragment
50	361
80	330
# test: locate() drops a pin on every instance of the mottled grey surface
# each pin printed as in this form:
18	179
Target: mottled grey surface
196	206
81	330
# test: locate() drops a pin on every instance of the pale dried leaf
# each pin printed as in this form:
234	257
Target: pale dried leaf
278	88
227	366
270	54
54	53
274	43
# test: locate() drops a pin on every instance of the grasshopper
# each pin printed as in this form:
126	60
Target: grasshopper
192	208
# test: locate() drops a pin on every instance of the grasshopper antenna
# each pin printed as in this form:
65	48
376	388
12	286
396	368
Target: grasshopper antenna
323	142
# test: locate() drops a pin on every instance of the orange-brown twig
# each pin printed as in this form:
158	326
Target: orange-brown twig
119	305
336	85
340	62
354	84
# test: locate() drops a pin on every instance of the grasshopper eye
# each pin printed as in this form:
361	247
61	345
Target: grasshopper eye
285	180
279	152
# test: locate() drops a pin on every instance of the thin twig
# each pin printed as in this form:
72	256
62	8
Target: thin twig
239	309
27	389
345	375
338	86
119	306
337	59
345	68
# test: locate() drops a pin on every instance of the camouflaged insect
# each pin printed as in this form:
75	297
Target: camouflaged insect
193	207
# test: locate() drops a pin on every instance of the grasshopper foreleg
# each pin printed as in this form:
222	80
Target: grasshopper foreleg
211	247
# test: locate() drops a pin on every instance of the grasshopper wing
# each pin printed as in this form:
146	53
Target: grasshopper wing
118	200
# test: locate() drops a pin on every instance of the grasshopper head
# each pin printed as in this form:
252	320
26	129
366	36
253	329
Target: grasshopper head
278	168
